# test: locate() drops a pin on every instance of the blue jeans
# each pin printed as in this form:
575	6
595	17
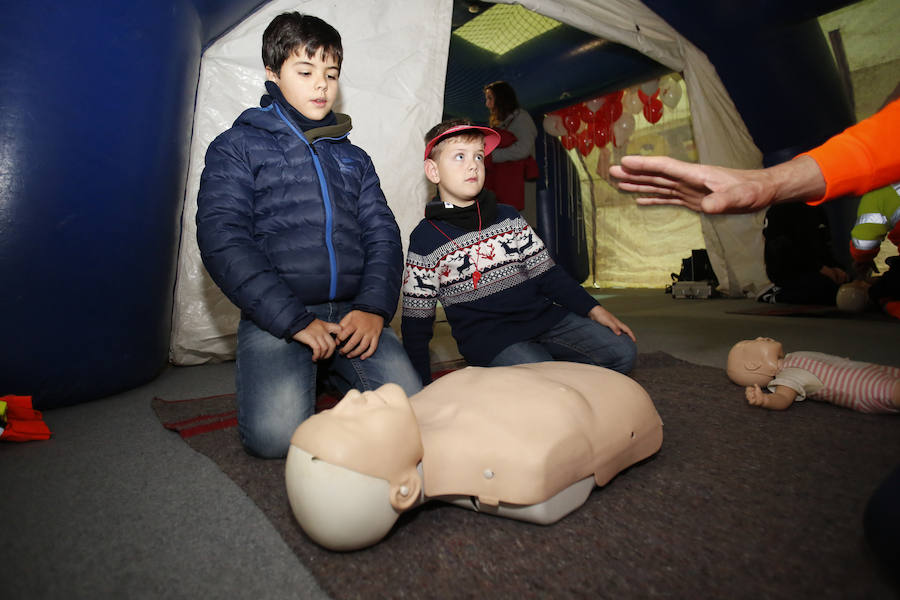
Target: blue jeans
276	379
574	339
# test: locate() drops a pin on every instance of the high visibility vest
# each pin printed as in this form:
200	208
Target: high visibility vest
878	216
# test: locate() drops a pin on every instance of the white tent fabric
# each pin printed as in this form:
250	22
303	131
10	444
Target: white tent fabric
734	242
392	86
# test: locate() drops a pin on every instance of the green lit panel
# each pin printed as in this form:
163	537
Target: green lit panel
503	27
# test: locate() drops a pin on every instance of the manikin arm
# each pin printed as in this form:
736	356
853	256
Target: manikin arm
780	399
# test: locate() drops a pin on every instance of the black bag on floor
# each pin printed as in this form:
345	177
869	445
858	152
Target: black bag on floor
697	268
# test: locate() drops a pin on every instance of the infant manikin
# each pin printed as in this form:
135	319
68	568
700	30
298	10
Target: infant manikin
861	386
527	442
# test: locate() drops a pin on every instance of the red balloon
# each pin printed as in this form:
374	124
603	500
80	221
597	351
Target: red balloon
571	122
600	135
611	109
585	142
585	113
601	118
615	109
653	110
645	99
568	141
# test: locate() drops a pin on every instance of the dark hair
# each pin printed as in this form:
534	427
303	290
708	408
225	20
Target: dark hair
505	102
290	33
444	126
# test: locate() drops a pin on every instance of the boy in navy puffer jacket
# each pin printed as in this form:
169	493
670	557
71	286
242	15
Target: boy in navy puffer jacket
294	228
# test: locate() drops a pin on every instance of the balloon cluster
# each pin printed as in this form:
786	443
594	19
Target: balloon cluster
610	118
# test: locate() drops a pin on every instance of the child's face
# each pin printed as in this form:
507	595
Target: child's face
458	169
309	84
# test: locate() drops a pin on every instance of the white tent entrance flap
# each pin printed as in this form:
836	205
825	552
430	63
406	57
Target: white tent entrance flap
392	85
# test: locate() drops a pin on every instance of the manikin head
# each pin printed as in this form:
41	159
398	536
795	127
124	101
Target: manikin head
755	362
853	296
454	159
352	470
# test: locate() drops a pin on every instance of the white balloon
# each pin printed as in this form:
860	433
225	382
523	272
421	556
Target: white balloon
650	87
669	91
671	96
594	104
623	128
631	102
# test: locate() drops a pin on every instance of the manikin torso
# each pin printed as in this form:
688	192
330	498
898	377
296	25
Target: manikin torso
527	442
522	434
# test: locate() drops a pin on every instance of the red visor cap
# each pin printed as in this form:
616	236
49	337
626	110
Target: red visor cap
491	137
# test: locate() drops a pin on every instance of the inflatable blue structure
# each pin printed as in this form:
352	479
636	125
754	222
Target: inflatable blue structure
95	115
96	110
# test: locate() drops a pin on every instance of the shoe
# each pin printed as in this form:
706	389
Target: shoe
769	295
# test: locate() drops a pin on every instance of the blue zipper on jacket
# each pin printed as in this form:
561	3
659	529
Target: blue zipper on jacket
326	198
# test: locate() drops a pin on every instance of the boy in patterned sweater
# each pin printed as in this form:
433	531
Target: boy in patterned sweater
506	301
861	386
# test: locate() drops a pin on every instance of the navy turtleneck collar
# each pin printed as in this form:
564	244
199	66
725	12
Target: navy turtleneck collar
275	95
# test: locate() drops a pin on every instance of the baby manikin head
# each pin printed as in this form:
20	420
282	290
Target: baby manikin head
755	362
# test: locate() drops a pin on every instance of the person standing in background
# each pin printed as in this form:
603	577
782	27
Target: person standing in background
512	169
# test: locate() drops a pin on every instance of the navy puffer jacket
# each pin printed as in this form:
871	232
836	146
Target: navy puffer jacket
287	219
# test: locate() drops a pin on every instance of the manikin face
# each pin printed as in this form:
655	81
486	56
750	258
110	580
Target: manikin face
374	433
457	168
309	84
755	362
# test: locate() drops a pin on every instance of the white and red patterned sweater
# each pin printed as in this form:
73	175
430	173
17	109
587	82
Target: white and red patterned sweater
518	293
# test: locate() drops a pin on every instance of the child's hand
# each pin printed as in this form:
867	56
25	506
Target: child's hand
755	396
604	317
318	336
359	335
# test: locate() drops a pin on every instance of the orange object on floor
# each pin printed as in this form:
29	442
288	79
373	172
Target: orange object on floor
19	422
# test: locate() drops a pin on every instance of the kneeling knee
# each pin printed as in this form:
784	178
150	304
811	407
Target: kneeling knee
627	356
270	443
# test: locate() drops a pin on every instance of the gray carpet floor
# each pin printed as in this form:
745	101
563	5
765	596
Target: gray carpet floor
731	488
115	506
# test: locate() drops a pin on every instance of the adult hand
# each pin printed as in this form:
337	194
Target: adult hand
604	317
318	335
836	274
359	335
714	190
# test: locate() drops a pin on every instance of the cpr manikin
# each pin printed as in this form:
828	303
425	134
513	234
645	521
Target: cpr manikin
527	442
865	387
